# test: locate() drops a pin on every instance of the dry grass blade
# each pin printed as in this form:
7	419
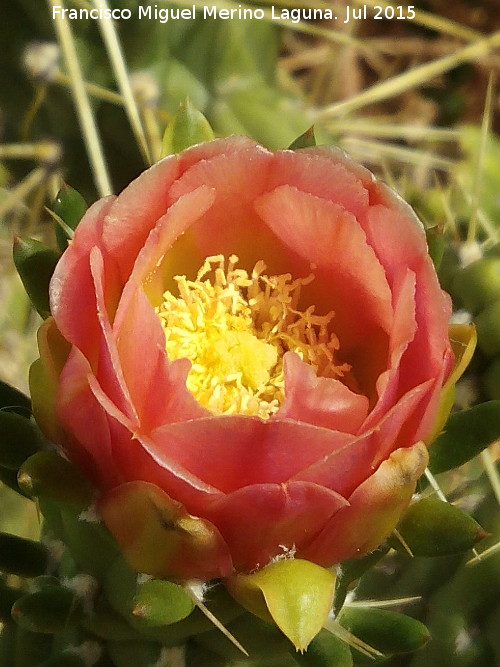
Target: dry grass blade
486	224
431	21
33	180
82	103
476	189
376	151
408	132
433	482
119	66
411	79
299	26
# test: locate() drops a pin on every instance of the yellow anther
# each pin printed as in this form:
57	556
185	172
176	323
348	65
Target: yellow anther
235	327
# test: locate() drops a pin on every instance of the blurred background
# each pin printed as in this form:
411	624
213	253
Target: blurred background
413	94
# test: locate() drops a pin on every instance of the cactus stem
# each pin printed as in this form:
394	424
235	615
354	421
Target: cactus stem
82	103
417	76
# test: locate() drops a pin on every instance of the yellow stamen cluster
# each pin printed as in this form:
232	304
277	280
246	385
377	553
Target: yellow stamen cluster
235	327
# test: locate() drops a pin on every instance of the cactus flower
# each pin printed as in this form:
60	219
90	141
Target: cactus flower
246	350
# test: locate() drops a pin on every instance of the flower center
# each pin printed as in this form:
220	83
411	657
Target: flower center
235	327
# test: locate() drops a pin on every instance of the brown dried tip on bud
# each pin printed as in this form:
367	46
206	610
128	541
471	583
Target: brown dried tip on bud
41	61
145	88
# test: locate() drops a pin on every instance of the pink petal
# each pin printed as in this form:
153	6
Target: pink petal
374	510
157	386
72	298
433	307
350	465
109	372
403	332
135	212
263	521
138	458
229	452
324	402
87	440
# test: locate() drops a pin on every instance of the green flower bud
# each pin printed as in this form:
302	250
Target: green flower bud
14	400
21	556
31	648
35	263
465	435
137	653
159	602
47	475
69	207
387	631
47	611
8	597
187	128
488	329
431	527
478	284
19	439
306	140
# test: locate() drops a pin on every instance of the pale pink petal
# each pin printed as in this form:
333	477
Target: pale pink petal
325	402
232	451
329	238
263	521
431	344
231	225
390	216
135	212
209	150
374	509
338	180
150	259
